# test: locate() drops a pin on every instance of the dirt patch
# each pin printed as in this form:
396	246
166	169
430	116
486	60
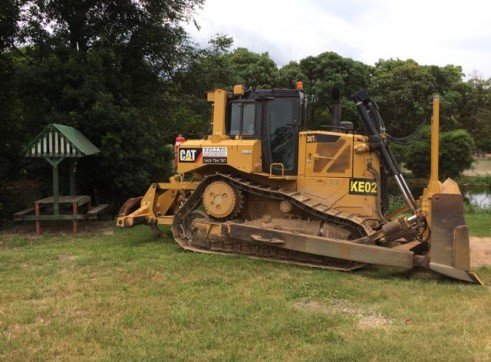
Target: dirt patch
481	167
366	318
373	321
311	306
480	251
480	173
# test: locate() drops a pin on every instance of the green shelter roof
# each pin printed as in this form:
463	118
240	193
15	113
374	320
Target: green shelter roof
57	140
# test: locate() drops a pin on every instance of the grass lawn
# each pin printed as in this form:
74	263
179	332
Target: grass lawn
132	297
479	224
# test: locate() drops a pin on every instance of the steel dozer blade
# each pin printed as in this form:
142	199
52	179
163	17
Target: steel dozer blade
450	251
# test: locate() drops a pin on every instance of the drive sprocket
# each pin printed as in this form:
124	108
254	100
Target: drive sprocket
221	200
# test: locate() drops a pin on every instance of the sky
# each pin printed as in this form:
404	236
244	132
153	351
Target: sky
434	32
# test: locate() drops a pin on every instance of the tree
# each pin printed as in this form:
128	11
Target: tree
105	67
476	111
404	89
325	72
216	67
289	74
206	69
11	135
252	69
9	13
455	154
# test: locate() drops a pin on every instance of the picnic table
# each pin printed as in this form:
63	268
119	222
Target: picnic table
73	207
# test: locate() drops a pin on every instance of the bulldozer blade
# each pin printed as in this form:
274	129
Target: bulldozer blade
450	250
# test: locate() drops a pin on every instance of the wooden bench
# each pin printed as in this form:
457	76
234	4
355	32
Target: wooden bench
95	212
19	216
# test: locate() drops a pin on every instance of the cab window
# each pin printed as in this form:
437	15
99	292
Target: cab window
241	119
281	132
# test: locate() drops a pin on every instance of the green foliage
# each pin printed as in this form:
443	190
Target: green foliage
215	67
9	12
255	70
323	73
12	135
456	150
485	145
289	74
404	90
476	180
208	68
477	112
104	68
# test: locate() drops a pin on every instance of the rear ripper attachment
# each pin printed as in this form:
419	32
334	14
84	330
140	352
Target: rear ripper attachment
262	187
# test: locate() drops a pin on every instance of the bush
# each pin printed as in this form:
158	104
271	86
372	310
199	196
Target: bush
16	196
456	149
486	146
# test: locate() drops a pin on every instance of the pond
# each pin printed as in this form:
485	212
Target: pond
478	196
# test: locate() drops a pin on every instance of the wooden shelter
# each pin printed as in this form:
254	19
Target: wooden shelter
55	143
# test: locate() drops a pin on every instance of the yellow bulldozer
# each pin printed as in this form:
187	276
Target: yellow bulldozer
259	185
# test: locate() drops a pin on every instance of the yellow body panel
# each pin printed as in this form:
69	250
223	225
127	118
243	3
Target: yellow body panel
336	168
336	171
243	155
333	159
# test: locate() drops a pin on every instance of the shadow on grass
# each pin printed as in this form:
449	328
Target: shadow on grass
417	274
142	235
21	235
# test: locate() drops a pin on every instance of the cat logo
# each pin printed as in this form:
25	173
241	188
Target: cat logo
189	154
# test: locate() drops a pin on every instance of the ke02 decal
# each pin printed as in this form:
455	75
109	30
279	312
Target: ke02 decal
190	154
363	186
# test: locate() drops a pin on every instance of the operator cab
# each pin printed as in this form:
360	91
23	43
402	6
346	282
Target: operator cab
272	116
